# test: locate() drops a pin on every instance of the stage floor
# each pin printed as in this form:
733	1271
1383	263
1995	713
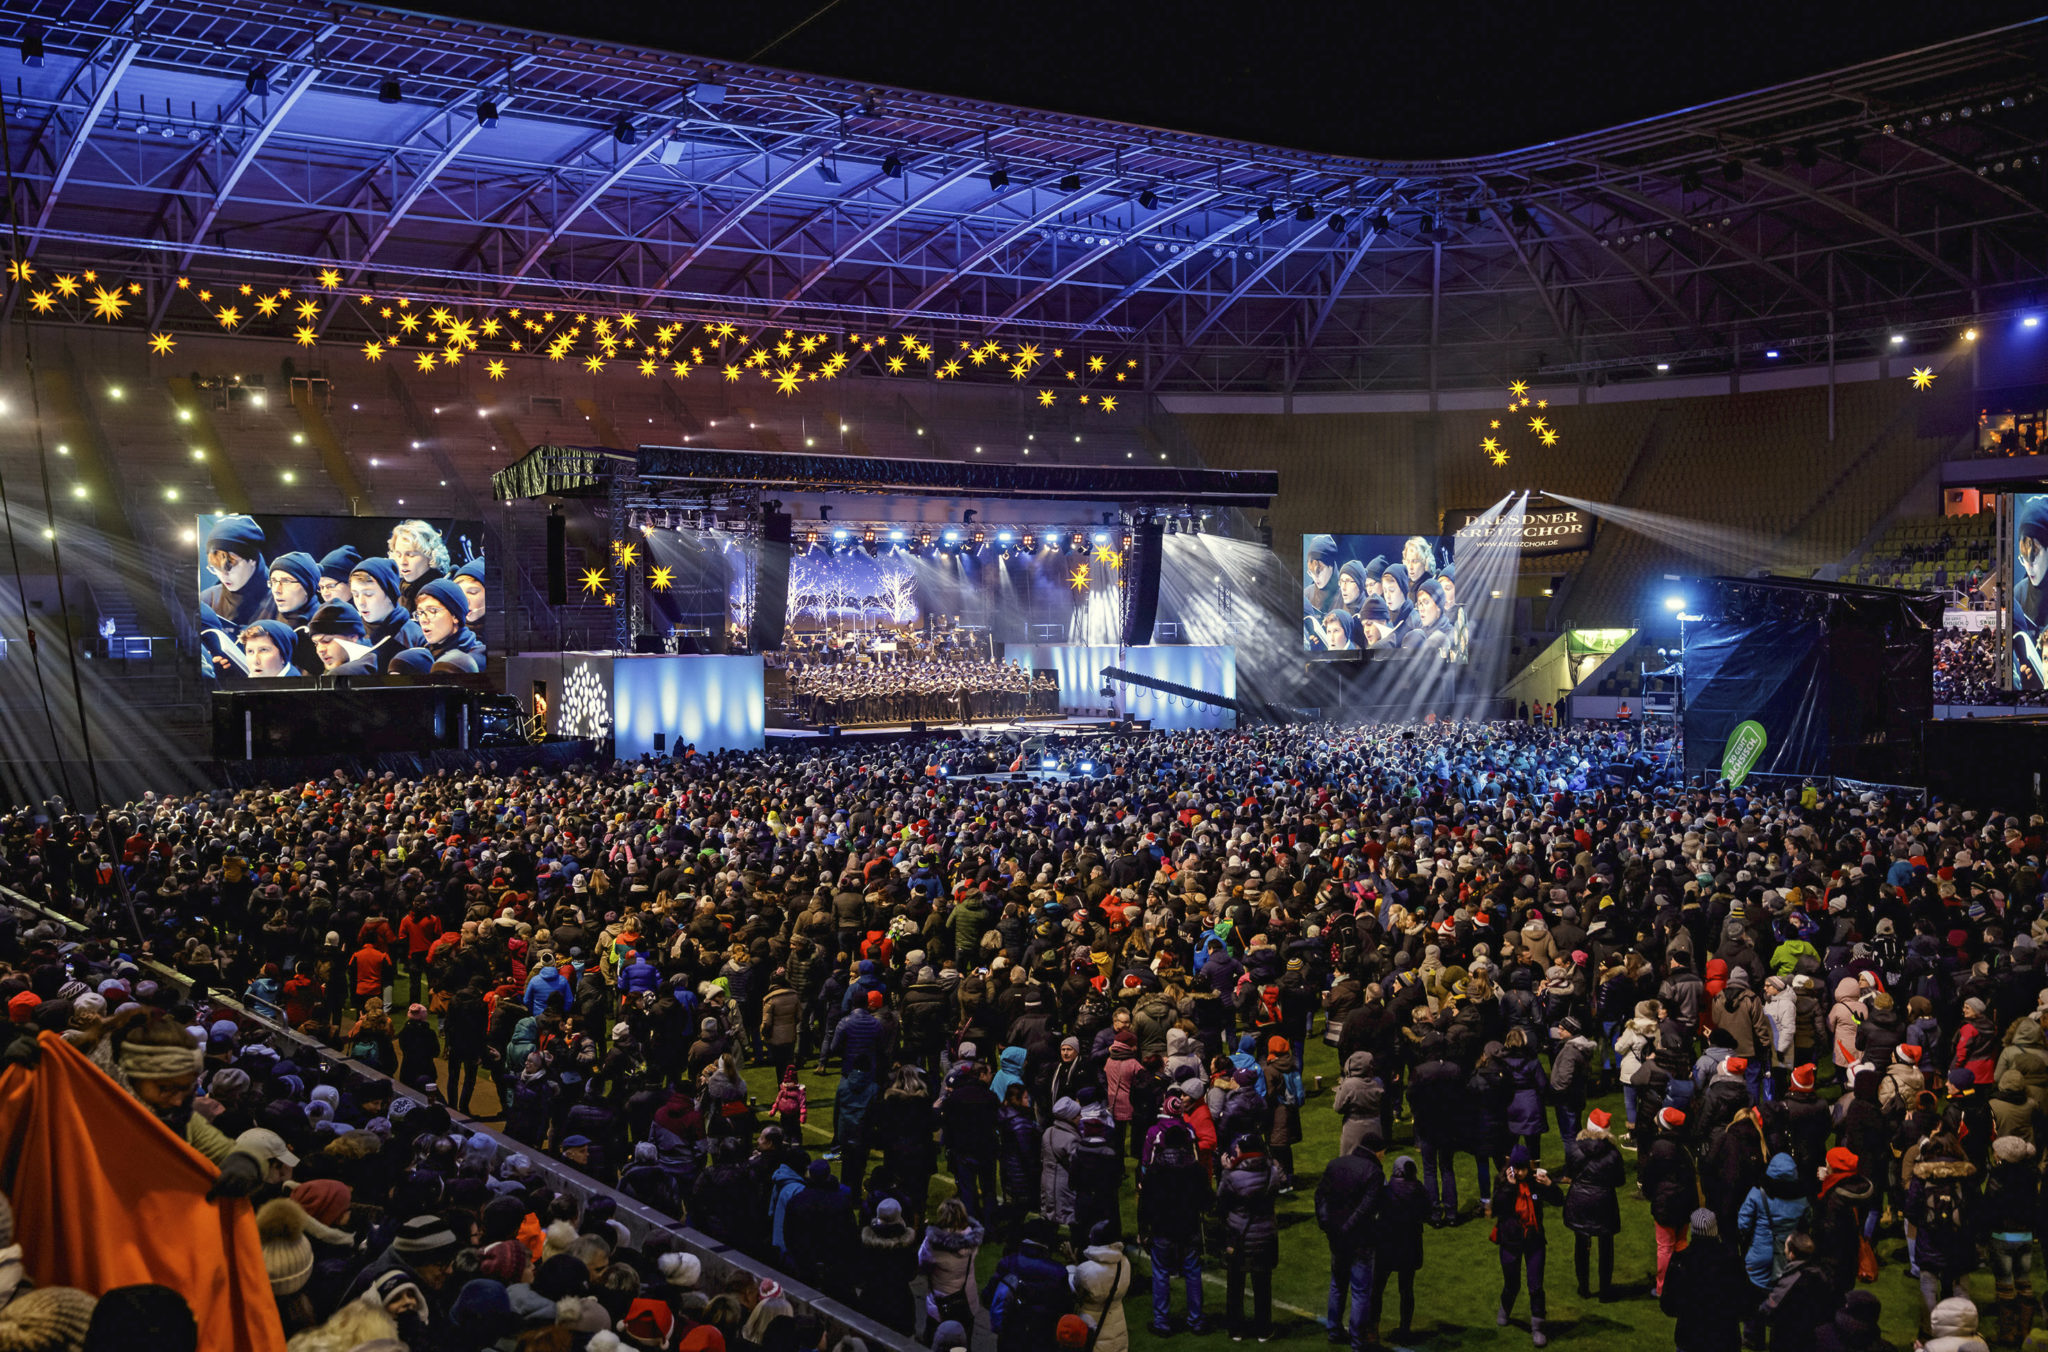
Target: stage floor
1067	723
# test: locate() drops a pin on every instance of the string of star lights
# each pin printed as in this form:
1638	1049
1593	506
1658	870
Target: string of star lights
431	333
1494	445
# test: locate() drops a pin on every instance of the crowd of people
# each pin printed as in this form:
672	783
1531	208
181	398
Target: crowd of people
1823	1012
1966	665
927	691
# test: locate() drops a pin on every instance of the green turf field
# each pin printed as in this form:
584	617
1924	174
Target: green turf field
1459	1285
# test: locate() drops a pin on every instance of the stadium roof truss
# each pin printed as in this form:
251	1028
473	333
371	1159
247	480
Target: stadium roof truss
170	134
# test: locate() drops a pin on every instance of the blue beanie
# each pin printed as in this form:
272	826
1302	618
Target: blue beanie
337	564
411	662
384	573
473	570
2033	519
299	564
450	596
279	633
237	535
339	619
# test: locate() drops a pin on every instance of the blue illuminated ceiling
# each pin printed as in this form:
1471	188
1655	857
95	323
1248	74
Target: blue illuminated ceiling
181	133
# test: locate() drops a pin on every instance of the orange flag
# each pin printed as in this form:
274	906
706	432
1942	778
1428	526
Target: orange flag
105	1195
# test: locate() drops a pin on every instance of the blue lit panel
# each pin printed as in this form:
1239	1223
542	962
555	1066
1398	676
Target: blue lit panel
1208	668
718	703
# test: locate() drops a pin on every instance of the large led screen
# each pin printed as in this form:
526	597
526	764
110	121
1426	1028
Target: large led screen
1383	593
2029	591
283	596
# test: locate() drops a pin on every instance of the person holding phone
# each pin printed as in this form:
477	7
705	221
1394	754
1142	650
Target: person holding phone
1518	1229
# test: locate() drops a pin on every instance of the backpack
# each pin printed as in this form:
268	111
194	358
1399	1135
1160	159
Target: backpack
1942	1206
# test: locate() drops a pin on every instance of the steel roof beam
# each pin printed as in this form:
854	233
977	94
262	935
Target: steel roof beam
761	196
982	254
1102	251
882	221
122	52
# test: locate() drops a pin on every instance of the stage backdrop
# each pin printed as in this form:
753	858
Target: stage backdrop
713	703
254	568
1211	668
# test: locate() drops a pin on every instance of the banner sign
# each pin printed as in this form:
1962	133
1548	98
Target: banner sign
1969	619
1562	531
1745	745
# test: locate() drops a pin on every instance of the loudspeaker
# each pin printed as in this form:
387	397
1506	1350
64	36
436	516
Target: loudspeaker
649	643
558	560
917	725
1145	587
771	584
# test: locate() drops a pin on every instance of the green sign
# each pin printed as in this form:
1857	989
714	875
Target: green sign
1745	748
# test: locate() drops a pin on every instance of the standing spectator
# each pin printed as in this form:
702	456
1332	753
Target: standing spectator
1251	1243
946	1258
1348	1204
1705	1289
1938	1202
1801	1300
967	1121
2010	1211
1029	1292
1527	1119
1769	1215
417	1047
1100	1282
1017	1153
1438	1097
888	1263
1594	1168
1174	1194
1397	1243
1669	1177
1518	1230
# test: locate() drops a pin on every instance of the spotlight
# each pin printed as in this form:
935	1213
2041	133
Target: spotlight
1087	767
1070	183
1969	335
1771	158
1004	537
892	166
623	131
980	538
1305	212
1052	539
1336	222
1471	215
998	178
1731	169
1898	340
1382	222
810	538
1030	543
1674	604
1266	213
1148	199
1771	352
389	92
487	113
952	537
32	47
1518	216
1048	764
257	82
1101	538
1663	366
2031	322
896	537
841	534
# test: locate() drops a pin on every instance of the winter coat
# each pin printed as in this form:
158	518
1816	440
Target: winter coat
1056	1154
1954	1325
1769	1214
1938	1202
888	1264
1737	1012
1838	1227
1707	1292
1122	1068
1593	1163
1357	1100
1245	1201
946	1257
1638	1039
1101	1280
2026	1051
1398	1235
1844	1017
1526	1114
1039	1295
1781	1011
1349	1199
1017	1156
1670	1179
1009	1071
1571	1069
1283	1119
1488	1123
1509	1231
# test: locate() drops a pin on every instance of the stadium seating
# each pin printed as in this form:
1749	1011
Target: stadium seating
1939	552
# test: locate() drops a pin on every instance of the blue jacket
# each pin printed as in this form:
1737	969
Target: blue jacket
544	985
786	1184
1008	1072
1769	1215
639	975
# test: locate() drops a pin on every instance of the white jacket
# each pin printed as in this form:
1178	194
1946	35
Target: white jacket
1101	1280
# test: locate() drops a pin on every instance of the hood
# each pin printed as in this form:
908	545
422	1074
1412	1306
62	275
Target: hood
2026	1033
1066	1110
1848	988
1178	1043
1955	1317
1943	1168
878	1236
954	1241
1358	1065
785	1174
1013	1060
1104	1254
1782	1168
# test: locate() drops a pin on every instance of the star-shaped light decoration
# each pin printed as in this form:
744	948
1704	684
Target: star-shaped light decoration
1537	424
307	309
1078	579
452	356
425	361
610	599
1107	403
1500	458
135	288
593	363
978	356
593	580
1922	377
409	322
1096	363
681	370
108	305
266	305
495	369
66	285
305	337
373	350
661	578
439	314
1549	437
1105	553
1518	388
732	373
42	302
1084	398
228	316
628	555
951	368
647	366
1046	398
895	365
1028	353
1543	403
1495	424
1019	371
329	279
789	379
19	270
491	327
249	290
161	344
1489	444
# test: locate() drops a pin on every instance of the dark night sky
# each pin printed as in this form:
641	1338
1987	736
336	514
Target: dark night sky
1419	79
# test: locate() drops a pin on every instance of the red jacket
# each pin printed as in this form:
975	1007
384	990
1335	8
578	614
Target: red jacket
418	931
372	966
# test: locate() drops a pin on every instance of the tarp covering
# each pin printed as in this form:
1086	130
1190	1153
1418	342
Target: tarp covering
558	472
105	1195
1773	671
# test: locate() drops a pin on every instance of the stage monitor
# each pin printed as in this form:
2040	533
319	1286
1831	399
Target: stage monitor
2028	592
1383	593
286	596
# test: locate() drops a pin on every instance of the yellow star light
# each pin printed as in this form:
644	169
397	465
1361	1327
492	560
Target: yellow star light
284	293
305	337
384	313
610	599
807	345
1549	437
42	302
184	283
515	345
1019	371
978	357
1132	363
18	271
108	305
1537	424
373	350
247	289
1543	403
895	365
425	361
452	356
1046	398
491	327
681	369
266	305
1084	398
1108	403
367	298
661	578
205	295
161	344
1489	444
1078	579
307	309
1500	458
593	363
439	314
1922	377
329	279
732	373
1495	424
460	331
593	580
951	368
628	555
1028	353
135	288
495	369
1096	363
66	286
91	276
627	321
1518	388
788	379
1070	375
228	316
1059	352
409	322
1104	553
